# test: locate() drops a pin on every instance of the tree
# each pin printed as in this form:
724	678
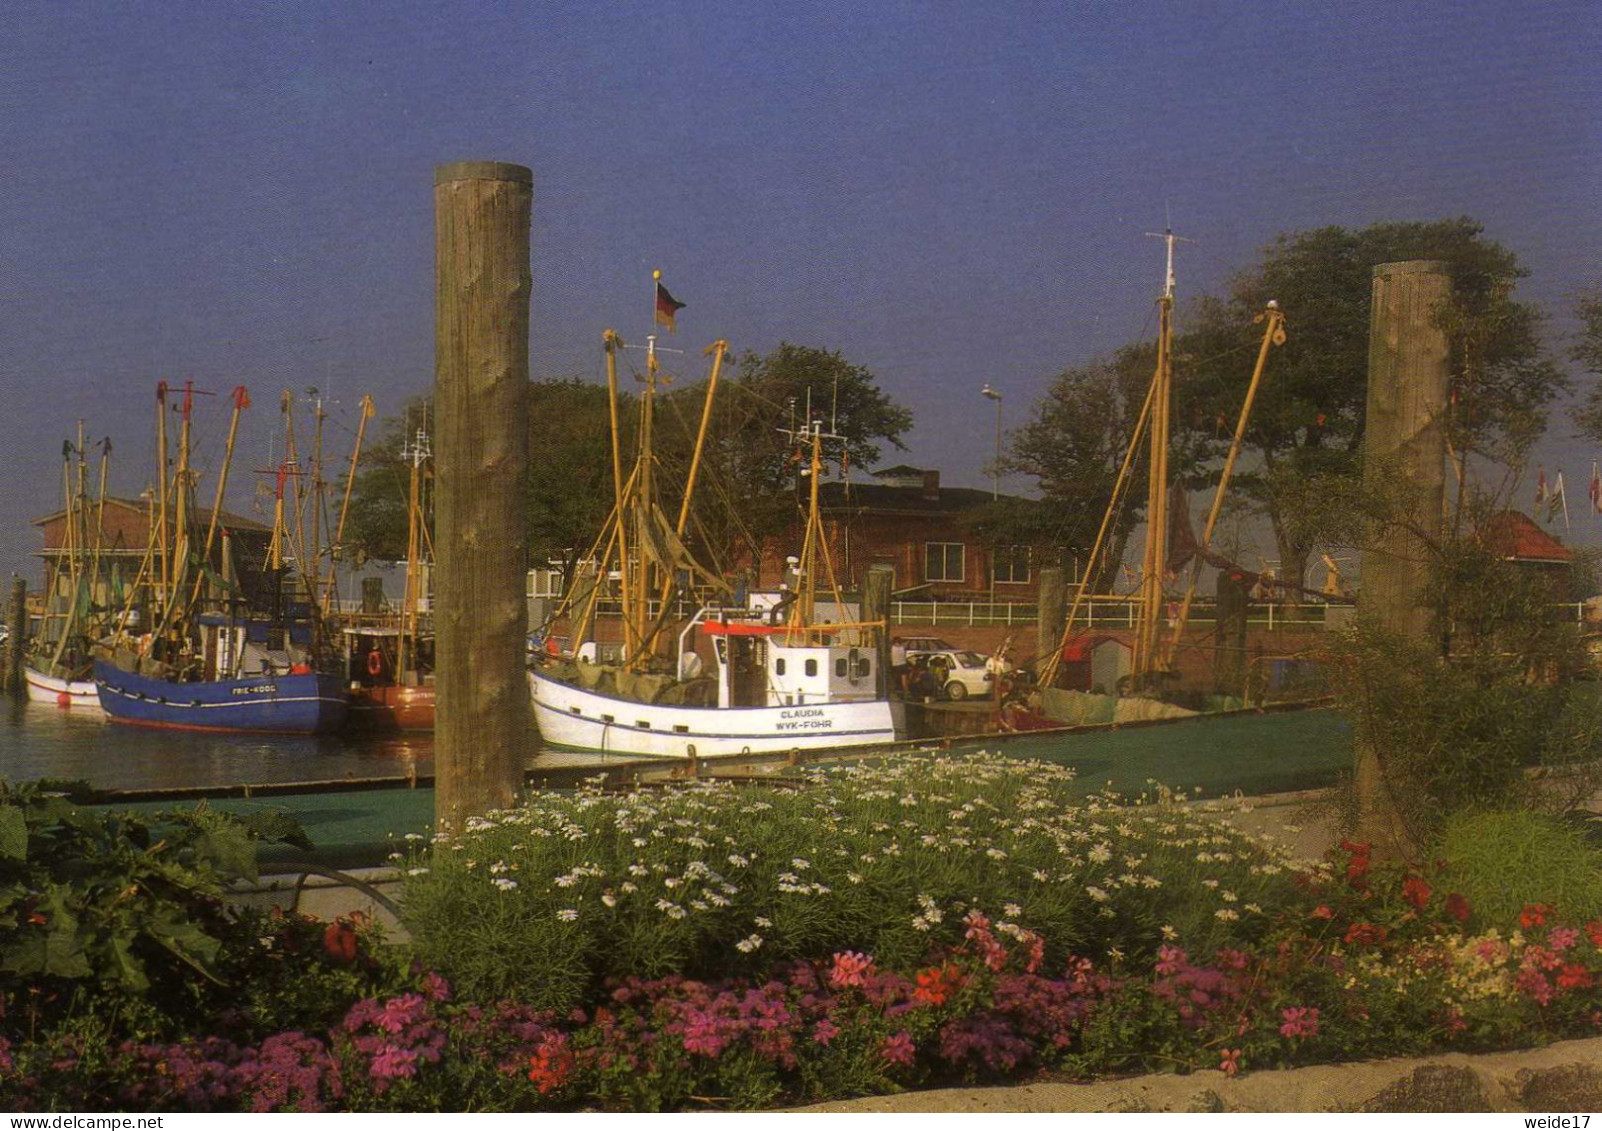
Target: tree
745	495
568	491
1588	352
375	528
1074	445
1309	419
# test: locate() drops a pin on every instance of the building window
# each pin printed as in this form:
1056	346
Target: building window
943	561
1012	565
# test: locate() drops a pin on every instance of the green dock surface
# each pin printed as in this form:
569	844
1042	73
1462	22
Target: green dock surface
1250	754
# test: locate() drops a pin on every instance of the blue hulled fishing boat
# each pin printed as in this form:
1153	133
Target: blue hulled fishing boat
233	648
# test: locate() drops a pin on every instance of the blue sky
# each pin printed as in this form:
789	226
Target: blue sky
948	193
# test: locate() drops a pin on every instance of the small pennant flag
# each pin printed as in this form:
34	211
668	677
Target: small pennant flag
1540	488
1596	489
666	307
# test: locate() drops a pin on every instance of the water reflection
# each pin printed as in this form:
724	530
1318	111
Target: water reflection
42	740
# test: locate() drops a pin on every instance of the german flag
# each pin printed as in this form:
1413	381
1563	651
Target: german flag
666	307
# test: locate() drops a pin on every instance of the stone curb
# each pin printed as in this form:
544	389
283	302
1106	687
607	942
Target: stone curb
1563	1077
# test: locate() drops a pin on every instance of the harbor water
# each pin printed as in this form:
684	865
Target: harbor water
1250	753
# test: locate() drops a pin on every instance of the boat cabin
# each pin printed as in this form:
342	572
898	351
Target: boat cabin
758	668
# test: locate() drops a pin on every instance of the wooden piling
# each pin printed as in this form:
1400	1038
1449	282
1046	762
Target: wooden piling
482	286
876	587
17	622
1405	442
1405	433
1053	612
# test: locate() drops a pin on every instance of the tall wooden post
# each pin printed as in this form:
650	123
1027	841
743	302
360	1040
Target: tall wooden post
1405	435
17	622
482	286
1052	614
876	588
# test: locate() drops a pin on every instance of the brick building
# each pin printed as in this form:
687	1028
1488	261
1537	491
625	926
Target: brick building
125	536
903	518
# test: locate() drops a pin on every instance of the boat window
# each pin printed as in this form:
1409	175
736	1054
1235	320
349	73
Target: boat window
840	668
864	667
644	724
680	728
812	667
778	666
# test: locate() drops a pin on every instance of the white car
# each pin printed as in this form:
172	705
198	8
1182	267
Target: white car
960	672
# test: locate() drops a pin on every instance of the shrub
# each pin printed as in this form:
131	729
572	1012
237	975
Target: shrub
546	901
1506	861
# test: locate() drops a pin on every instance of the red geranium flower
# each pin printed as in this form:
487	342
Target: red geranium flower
339	940
1534	915
1365	934
1416	892
1457	907
1573	976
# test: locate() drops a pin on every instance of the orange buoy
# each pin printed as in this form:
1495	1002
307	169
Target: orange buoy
63	699
375	663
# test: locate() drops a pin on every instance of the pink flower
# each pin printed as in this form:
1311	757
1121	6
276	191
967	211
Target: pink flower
825	1031
851	968
1230	1064
1300	1021
1561	938
898	1049
1170	960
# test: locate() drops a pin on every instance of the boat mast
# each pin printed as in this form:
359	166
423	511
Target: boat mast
417	453
1146	660
620	490
241	403
336	550
161	496
1273	335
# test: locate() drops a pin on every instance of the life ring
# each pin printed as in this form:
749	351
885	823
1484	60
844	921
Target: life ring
375	662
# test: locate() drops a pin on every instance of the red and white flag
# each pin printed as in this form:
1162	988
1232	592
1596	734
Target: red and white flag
1596	489
1540	489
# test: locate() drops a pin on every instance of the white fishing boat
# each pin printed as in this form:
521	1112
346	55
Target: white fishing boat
78	694
779	681
771	696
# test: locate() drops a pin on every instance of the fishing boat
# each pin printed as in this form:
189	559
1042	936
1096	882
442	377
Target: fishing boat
780	682
231	649
59	668
391	662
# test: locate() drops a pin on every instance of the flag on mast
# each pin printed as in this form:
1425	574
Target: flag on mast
1558	501
666	305
1596	490
1540	488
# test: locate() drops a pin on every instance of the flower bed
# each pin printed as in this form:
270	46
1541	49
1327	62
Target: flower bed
925	923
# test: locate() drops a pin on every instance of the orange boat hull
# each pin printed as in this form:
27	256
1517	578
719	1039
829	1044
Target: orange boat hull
391	708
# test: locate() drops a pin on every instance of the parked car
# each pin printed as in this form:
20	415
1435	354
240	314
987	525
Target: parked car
902	651
959	672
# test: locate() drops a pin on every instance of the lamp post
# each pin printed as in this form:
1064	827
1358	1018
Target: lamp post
995	479
991	393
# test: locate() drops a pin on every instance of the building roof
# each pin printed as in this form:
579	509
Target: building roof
883	498
1515	537
141	508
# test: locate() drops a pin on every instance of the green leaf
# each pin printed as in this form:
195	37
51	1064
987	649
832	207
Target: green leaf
13	834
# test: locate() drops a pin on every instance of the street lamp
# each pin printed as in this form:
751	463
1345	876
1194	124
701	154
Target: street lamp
995	480
994	394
